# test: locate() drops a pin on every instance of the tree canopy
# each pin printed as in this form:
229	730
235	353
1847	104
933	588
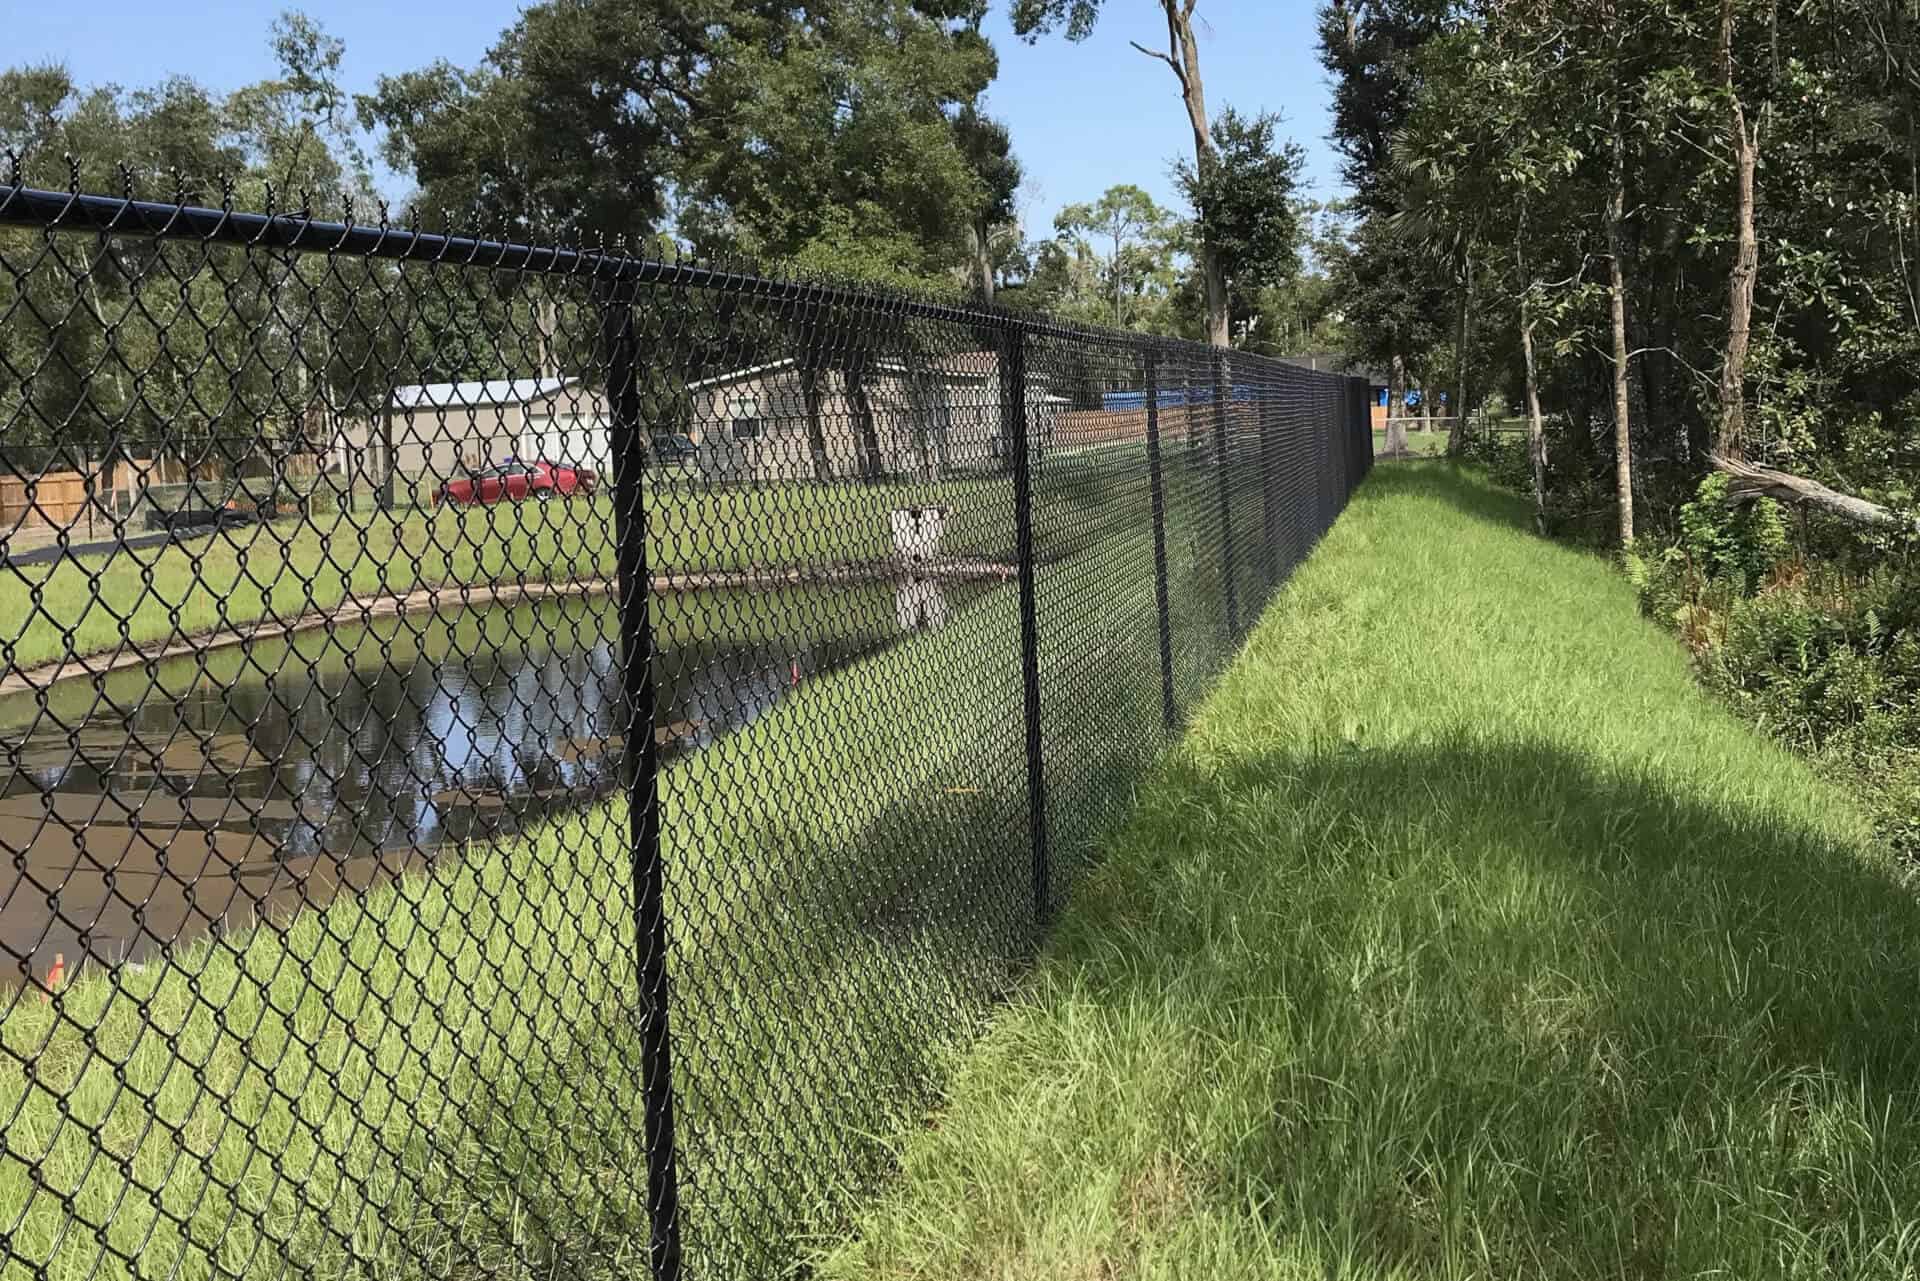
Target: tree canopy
1764	161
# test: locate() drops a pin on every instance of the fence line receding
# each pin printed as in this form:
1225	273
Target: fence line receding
521	761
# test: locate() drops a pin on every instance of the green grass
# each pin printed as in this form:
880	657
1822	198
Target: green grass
93	604
1464	936
1424	443
441	1076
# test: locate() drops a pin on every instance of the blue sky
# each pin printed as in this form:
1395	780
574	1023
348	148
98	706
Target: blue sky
1084	116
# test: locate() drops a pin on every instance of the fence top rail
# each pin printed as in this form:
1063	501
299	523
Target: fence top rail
75	211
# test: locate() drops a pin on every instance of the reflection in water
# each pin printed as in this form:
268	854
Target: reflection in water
919	604
208	791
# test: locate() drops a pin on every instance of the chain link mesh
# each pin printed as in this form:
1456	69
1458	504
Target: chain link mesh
522	761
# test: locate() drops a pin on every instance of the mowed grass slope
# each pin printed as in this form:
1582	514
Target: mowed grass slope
98	603
1463	937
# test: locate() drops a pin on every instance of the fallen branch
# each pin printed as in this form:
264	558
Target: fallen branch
1750	482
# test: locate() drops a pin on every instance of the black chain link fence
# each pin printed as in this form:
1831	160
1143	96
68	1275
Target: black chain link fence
602	732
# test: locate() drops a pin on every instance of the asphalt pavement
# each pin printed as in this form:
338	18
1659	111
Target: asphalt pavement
51	552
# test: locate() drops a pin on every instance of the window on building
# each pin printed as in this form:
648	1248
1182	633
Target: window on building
743	408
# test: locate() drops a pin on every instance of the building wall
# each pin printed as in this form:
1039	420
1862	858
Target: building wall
927	425
576	430
432	444
755	428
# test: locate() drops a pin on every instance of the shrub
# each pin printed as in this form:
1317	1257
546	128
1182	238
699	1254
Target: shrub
1741	542
1505	459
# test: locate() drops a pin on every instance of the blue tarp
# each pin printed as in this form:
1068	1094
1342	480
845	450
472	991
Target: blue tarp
1172	397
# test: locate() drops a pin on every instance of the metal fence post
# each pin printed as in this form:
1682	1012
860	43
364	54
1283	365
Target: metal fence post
643	783
1359	415
1169	713
1222	390
1363	428
1013	391
1269	498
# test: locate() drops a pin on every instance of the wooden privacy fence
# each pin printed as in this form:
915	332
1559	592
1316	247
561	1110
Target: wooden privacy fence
1082	427
54	500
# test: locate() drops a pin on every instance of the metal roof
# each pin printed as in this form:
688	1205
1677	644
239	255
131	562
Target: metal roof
970	365
469	395
734	376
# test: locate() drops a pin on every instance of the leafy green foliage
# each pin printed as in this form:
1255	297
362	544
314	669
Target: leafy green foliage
1495	123
1741	542
1112	259
1035	18
833	133
196	355
836	127
566	130
1826	658
1245	205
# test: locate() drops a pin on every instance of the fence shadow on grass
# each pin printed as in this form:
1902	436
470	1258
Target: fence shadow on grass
1564	1017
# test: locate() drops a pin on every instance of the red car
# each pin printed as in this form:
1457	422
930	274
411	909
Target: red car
512	481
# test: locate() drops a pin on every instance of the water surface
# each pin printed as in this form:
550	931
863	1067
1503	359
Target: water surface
203	791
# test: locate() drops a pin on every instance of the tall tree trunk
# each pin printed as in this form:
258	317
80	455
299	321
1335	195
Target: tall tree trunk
1746	151
114	423
547	319
1396	443
1183	55
1536	426
867	435
1462	330
1617	299
816	429
1660	371
1219	330
983	260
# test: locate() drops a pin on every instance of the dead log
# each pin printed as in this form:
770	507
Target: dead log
1750	481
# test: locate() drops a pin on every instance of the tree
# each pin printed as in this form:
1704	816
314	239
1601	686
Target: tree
1068	280
1032	18
569	128
167	344
1244	206
1306	312
828	138
839	137
1370	49
1617	313
1472	144
988	148
1134	231
1774	338
1392	298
